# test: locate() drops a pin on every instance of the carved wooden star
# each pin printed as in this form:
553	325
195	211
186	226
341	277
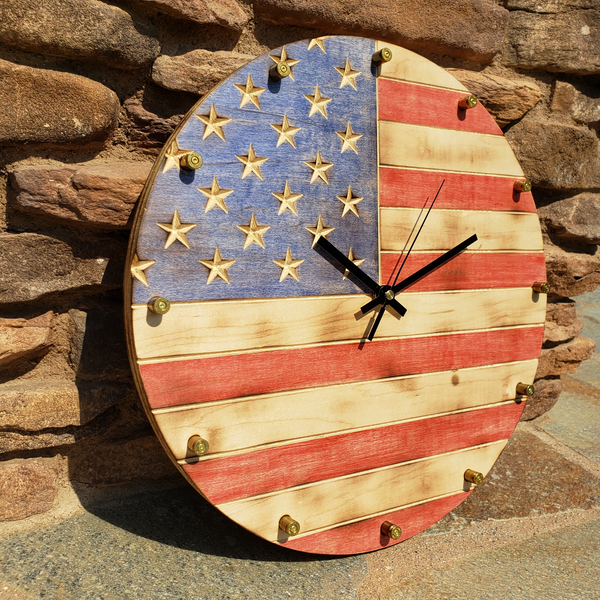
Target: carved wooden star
173	155
177	230
348	75
286	132
349	201
251	163
292	62
288	266
288	199
319	168
249	92
356	261
215	196
349	138
319	230
318	42
218	267
138	267
213	123
254	232
318	103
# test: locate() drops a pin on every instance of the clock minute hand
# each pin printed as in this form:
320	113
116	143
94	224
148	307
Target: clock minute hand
328	247
432	266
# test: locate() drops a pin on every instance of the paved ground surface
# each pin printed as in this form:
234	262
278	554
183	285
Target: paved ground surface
531	532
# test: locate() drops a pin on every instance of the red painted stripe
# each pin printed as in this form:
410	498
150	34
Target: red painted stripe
202	380
469	270
262	471
409	188
421	105
365	536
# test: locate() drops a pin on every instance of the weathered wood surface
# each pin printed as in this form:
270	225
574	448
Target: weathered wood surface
250	474
322	505
234	425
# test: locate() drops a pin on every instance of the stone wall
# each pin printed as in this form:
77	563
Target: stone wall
91	91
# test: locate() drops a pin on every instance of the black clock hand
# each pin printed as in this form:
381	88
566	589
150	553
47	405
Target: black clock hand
432	266
328	247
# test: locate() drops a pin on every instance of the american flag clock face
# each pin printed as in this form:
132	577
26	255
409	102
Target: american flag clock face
334	290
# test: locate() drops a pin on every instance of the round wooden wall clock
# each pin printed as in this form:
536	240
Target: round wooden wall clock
334	314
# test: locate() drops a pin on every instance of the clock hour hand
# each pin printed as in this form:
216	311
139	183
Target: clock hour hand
432	266
367	281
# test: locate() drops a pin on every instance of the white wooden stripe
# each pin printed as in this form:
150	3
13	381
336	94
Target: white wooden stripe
421	147
327	503
231	425
495	230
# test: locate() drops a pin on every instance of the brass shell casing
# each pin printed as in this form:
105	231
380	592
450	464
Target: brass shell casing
392	531
525	389
468	102
474	476
280	70
382	56
158	305
191	161
541	287
522	186
198	445
289	525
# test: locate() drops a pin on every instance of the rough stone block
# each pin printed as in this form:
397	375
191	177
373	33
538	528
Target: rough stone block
41	106
565	42
505	99
562	323
469	29
571	273
568	99
33	265
34	405
80	29
556	156
149	131
547	392
564	358
576	219
197	71
100	196
23	339
226	13
27	487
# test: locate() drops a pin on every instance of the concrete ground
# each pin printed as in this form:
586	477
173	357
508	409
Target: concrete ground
531	532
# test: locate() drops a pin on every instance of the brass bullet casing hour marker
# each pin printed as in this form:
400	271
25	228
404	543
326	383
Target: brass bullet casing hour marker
382	56
468	102
191	161
287	524
525	389
392	531
280	71
473	476
541	287
522	186
198	445
158	305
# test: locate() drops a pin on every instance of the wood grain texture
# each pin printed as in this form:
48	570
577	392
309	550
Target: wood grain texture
409	188
330	502
447	228
421	105
416	146
469	270
214	327
179	382
408	66
273	418
365	535
253	473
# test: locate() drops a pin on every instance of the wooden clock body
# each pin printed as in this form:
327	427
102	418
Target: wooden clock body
262	354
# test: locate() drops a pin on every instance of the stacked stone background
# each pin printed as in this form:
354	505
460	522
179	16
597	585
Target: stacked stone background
92	90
